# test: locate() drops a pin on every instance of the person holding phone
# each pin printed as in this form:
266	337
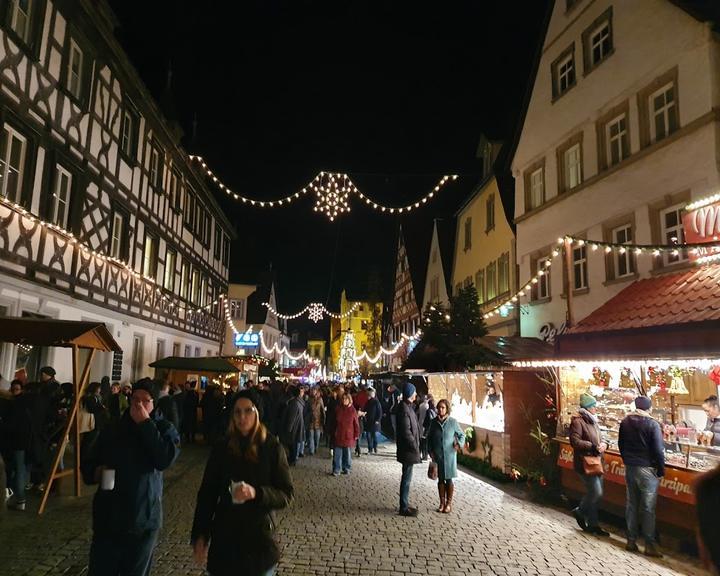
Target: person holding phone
246	477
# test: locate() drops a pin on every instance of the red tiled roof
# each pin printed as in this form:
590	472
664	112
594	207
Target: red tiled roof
690	296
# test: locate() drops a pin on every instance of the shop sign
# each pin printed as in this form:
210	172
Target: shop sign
247	339
675	485
548	332
702	225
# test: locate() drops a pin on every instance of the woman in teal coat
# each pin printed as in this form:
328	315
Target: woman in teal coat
445	439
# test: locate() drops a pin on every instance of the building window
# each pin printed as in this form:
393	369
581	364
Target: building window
116	236
618	144
185	280
127	136
159	349
671	228
504	273
434	256
136	362
570	4
468	234
203	292
169	279
490	213
150	256
491	281
579	261
176	349
435	289
195	290
188	350
155	167
541	290
206	230
563	72
226	251
189	208
12	160
598	41
217	253
237	309
534	189
20	14
74	71
624	262
663	110
480	285
61	197
572	162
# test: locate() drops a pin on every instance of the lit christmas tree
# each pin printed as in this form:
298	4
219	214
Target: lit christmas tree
348	364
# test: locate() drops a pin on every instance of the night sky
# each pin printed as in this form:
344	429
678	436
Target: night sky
394	93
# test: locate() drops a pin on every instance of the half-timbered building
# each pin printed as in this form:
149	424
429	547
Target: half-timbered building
102	215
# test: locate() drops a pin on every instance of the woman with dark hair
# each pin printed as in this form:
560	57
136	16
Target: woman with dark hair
246	478
445	439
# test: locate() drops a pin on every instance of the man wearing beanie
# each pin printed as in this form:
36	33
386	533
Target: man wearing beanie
408	445
643	452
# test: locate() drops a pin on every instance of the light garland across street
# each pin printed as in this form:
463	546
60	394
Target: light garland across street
387	351
315	311
332	191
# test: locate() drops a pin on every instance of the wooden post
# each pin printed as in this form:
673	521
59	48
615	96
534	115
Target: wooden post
567	263
80	383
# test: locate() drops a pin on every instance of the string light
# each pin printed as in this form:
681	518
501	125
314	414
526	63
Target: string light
703	202
315	312
332	191
389	351
615	364
87	252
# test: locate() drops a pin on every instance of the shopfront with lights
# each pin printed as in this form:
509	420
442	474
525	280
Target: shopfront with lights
659	337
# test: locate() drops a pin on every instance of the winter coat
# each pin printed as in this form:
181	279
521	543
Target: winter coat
241	535
291	427
17	429
332	403
641	442
421	413
585	438
442	438
347	427
373	415
190	404
317	414
167	409
408	435
138	453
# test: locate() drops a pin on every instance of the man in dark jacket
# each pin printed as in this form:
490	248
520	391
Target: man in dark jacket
711	406
127	461
189	419
408	445
373	416
643	453
18	435
166	406
291	427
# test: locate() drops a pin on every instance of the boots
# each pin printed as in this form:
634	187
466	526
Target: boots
448	501
441	491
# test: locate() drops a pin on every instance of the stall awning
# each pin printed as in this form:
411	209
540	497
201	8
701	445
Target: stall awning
62	333
674	315
197	364
516	348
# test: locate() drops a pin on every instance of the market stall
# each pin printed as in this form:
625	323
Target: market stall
658	337
498	400
202	370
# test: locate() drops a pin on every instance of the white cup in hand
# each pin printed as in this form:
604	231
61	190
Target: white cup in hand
107	479
234	487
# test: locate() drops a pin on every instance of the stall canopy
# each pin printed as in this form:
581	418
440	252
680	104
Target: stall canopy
509	349
198	364
65	334
675	316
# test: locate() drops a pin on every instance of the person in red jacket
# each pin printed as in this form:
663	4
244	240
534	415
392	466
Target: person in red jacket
346	433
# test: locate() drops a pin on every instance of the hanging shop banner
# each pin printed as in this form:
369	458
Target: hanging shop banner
703	225
675	485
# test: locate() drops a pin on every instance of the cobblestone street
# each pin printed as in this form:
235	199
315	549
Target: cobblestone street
348	525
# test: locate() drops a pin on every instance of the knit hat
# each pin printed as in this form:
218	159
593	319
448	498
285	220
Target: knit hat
49	370
251	395
408	390
587	401
145	384
643	403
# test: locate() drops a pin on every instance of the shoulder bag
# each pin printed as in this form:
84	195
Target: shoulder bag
85	420
592	465
432	471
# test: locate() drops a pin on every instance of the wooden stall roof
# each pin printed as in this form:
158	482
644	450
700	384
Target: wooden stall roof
675	316
516	348
63	333
197	364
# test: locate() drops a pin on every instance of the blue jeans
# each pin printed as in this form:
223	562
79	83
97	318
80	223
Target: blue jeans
642	486
372	440
301	448
593	494
126	554
18	474
314	443
344	455
405	480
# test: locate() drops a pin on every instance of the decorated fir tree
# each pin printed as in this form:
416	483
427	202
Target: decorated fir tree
348	364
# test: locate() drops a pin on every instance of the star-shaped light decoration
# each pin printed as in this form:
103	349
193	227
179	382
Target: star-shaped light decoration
332	191
315	312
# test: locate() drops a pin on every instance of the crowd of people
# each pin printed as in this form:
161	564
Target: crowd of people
131	434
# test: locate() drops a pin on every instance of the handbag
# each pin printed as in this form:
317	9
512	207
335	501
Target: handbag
85	420
592	465
433	470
